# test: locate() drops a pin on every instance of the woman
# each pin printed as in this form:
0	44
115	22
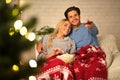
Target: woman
57	43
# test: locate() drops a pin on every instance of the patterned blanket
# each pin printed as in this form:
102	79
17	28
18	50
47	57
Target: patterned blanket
55	69
89	64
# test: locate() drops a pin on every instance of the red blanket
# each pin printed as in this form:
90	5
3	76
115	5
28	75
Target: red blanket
55	69
90	64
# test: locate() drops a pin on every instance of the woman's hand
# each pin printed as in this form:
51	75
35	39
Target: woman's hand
57	51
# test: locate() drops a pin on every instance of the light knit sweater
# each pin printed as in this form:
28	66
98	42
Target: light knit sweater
66	44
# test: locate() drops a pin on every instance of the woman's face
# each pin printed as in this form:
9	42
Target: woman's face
65	28
74	18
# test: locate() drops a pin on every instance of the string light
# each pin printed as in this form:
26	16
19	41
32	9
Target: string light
8	1
31	36
15	68
15	12
23	31
33	63
32	78
11	31
18	24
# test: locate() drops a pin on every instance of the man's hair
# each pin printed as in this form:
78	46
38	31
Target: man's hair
73	8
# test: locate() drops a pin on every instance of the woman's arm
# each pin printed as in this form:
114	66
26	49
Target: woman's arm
55	52
73	47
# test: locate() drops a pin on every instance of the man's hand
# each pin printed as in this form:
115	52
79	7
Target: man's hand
40	47
89	24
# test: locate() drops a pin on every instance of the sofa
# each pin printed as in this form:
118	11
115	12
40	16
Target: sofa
108	45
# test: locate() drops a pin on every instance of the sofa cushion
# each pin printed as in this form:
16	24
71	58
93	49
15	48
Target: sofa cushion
108	45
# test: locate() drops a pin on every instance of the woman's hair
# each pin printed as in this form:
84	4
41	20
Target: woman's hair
53	35
73	8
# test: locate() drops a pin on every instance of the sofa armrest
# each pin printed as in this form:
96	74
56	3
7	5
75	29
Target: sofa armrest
114	69
109	46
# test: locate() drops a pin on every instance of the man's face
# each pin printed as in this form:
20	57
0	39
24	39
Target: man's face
74	18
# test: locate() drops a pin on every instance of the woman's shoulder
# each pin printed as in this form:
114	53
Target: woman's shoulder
46	37
69	39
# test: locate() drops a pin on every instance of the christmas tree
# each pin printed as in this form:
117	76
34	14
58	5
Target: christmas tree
15	37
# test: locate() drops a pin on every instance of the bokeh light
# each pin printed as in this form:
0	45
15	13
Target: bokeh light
23	31
33	63
18	24
11	31
15	68
31	36
15	12
8	1
32	78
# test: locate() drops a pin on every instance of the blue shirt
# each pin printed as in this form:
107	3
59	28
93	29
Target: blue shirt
84	36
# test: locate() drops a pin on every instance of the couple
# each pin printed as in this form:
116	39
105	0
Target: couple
76	38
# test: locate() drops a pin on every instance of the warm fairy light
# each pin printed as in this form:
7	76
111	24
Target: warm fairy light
23	31
31	36
15	12
32	78
11	31
15	68
22	2
21	62
18	24
33	63
8	1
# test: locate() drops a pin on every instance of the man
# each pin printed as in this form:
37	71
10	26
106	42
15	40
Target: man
82	33
89	56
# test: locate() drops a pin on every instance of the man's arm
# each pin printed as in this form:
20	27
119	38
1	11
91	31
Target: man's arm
40	47
92	27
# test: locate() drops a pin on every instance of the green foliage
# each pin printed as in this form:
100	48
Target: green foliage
12	46
45	30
